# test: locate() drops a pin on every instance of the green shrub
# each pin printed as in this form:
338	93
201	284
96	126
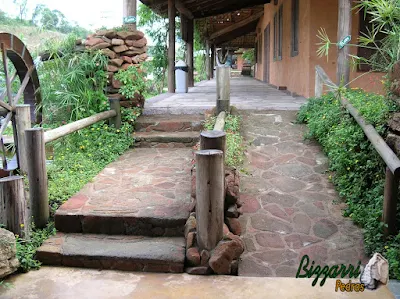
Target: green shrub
358	172
235	147
132	82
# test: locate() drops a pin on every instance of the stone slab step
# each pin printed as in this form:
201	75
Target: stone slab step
169	123
153	221
129	253
166	139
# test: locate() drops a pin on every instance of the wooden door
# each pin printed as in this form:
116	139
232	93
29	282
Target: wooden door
266	64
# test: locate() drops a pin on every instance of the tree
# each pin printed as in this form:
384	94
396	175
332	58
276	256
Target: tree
22	8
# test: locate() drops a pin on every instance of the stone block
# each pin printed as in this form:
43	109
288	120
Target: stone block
8	260
119	49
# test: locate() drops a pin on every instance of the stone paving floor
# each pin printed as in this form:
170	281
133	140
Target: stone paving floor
246	93
290	206
66	283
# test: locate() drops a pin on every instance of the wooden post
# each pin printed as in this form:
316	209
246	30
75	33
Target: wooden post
13	210
116	106
210	140
208	71
171	46
23	119
39	200
319	86
129	12
344	29
189	51
210	191
223	88
390	203
212	61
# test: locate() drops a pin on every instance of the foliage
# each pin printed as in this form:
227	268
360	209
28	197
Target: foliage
72	83
199	56
385	21
235	148
357	169
132	82
249	55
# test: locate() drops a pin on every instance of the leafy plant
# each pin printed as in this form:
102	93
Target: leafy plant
249	55
132	82
73	83
235	148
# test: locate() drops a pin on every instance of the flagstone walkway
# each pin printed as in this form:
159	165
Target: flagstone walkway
290	206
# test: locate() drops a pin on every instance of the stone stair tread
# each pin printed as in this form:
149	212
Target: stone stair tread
144	192
169	123
172	135
119	252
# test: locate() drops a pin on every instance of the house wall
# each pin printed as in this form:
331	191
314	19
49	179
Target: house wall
298	73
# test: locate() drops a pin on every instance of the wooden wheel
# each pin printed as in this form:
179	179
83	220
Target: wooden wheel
13	50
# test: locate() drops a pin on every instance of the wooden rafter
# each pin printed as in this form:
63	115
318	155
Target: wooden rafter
237	26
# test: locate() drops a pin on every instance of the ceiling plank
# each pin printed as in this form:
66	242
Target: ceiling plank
236	26
183	9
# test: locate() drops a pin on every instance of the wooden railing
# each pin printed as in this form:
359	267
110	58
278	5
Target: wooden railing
386	153
35	141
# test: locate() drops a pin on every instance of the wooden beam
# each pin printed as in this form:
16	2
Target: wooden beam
171	46
183	10
212	62
344	29
189	51
237	26
208	72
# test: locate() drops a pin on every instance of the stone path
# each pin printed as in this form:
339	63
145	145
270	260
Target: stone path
290	206
150	187
246	93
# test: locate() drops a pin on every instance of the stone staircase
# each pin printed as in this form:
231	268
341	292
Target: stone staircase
173	131
132	215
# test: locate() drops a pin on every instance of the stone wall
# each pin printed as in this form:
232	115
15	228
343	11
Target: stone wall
224	259
124	49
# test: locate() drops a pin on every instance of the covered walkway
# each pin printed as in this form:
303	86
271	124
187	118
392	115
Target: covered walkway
246	94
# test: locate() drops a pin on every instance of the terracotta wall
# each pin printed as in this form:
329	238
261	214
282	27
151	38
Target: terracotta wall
298	73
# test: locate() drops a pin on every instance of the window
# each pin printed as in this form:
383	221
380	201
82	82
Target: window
365	27
295	28
278	33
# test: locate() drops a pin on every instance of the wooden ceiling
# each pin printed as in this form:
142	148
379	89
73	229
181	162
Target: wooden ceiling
230	23
203	8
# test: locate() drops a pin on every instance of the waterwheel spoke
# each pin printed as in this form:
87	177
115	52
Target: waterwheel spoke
5	65
4	157
5	123
4	93
23	85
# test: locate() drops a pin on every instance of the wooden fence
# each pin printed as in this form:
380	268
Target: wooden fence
32	152
386	153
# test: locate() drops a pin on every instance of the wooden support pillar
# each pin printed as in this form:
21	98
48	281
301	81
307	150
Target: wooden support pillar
13	209
344	29
171	46
208	71
212	61
390	203
116	106
319	85
189	51
223	88
129	13
38	193
210	191
213	140
23	119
